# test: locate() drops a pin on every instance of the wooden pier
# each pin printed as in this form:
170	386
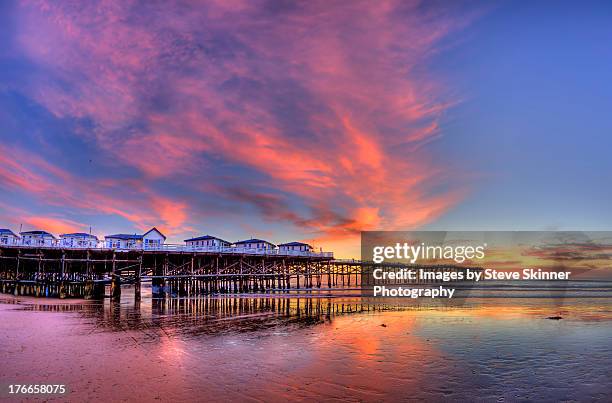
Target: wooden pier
86	273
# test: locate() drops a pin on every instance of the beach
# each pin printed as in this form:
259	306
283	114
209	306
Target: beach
275	348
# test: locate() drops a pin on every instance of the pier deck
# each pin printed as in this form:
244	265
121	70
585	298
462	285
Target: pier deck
85	273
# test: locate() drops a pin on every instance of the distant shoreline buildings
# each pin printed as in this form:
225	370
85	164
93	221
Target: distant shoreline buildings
153	240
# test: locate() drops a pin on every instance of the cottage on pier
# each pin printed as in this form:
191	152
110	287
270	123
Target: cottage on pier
8	237
254	244
207	241
152	239
78	240
294	247
38	238
123	241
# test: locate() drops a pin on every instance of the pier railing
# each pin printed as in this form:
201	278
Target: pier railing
175	248
246	251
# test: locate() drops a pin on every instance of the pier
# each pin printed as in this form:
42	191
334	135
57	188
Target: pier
177	272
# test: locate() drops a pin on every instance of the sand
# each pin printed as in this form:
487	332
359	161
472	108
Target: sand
274	349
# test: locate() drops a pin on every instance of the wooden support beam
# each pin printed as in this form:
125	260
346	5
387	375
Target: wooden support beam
137	280
115	282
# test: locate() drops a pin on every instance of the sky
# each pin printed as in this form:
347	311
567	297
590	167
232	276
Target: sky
305	121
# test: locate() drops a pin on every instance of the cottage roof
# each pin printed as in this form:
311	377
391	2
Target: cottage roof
38	232
295	244
156	230
134	236
124	236
204	238
79	235
253	240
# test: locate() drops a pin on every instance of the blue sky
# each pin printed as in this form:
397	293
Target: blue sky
305	121
534	126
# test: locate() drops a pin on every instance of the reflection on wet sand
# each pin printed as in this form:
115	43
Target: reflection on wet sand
209	315
278	348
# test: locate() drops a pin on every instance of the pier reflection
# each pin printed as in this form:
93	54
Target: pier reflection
281	347
151	319
208	315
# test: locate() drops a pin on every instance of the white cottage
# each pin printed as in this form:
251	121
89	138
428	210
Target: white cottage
123	241
8	237
207	241
78	240
254	244
151	239
38	238
290	247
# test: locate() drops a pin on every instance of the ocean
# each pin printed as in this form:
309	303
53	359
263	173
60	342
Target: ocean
500	342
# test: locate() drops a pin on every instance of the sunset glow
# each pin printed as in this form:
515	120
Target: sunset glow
303	116
300	121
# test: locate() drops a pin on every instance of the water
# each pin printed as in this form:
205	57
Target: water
315	347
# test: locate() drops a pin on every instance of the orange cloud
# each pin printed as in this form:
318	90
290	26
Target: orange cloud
316	114
28	173
54	225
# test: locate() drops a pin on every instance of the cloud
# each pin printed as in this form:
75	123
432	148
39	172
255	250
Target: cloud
593	250
313	111
54	225
26	172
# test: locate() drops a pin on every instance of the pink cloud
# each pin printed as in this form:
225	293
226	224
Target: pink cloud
26	172
327	102
54	225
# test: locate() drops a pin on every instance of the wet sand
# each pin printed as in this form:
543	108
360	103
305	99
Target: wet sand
275	349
